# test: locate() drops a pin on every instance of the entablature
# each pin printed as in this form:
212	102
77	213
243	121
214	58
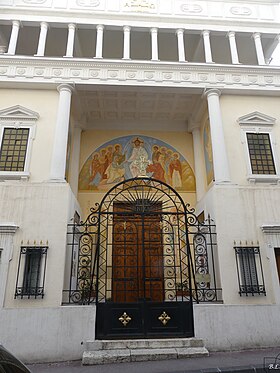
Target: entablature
232	78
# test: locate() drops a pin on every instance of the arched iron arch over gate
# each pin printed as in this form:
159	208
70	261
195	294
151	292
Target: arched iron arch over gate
134	260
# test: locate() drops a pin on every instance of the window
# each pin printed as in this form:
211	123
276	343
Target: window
31	272
260	153
259	147
13	149
277	257
249	270
17	129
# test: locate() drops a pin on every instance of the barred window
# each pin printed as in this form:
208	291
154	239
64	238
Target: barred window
31	272
13	149
260	152
249	270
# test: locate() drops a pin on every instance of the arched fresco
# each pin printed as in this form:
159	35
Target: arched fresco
132	156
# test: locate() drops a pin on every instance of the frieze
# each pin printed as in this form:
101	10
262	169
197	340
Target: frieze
191	75
36	2
139	5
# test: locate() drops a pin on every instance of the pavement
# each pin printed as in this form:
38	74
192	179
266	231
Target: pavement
249	361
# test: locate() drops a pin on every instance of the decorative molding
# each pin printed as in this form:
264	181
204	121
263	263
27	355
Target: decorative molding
139	5
35	2
88	3
191	8
271	228
17	113
240	11
91	71
8	228
256	119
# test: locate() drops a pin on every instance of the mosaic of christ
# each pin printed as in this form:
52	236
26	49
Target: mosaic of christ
135	156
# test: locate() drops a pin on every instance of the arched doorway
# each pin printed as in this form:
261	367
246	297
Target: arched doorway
143	273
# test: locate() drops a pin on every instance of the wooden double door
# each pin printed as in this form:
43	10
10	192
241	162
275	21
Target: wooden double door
137	255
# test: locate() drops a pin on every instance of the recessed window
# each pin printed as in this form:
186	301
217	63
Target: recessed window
249	270
13	149
31	272
260	152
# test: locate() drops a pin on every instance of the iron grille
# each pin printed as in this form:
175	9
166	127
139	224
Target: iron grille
31	272
260	153
249	270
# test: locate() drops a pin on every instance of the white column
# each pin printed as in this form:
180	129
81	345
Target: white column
126	42
259	48
42	39
154	40
199	165
99	41
181	46
233	47
14	37
61	133
207	46
220	159
7	231
75	160
70	40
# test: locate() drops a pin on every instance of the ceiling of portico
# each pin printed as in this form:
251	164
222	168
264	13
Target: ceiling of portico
133	108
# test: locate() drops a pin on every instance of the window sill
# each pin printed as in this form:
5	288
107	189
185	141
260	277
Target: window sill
274	179
9	175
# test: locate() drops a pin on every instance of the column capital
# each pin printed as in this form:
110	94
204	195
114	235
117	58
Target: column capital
180	31
154	30
100	27
193	126
256	35
72	26
68	87
205	33
126	28
16	23
44	24
212	92
231	34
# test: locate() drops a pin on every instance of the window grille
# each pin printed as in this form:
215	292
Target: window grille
31	271
260	152
13	149
249	270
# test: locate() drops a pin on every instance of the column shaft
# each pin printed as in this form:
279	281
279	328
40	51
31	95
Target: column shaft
61	133
181	46
70	40
75	160
198	163
42	39
154	40
99	41
259	48
126	43
14	37
220	159
207	46
233	47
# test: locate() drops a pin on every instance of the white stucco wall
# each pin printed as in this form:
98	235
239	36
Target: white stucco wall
47	334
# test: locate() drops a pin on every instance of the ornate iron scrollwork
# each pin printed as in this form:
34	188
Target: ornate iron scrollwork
164	318
125	319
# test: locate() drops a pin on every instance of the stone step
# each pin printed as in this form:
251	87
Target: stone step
106	352
143	343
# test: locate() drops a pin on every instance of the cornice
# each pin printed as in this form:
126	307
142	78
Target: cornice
92	71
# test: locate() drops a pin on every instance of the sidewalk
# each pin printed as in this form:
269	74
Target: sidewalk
241	362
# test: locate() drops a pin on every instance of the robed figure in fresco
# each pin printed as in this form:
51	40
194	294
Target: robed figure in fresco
138	159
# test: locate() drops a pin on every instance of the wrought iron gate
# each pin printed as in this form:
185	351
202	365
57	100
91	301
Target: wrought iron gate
133	259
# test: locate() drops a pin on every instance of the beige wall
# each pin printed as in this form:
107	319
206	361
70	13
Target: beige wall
44	102
234	107
90	140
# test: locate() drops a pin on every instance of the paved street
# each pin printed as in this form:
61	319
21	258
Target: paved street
243	360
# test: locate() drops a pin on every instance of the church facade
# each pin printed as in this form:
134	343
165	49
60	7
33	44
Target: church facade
140	173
